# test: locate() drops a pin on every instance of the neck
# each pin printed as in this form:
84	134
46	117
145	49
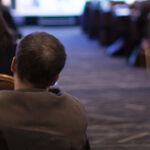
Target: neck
18	84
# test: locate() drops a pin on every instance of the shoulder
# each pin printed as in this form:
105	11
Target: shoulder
63	95
7	95
68	100
73	99
75	104
8	100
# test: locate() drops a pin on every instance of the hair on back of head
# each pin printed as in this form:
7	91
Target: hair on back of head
40	57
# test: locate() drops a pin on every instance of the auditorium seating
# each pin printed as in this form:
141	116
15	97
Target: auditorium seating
85	17
124	30
121	22
6	82
105	33
148	46
90	19
141	35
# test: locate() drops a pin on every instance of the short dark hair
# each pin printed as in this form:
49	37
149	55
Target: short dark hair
40	57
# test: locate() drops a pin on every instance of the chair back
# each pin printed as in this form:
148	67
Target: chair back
6	82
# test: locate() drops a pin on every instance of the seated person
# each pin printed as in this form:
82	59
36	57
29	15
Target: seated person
9	20
7	47
39	59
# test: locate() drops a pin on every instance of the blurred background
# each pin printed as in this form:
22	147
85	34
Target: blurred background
108	65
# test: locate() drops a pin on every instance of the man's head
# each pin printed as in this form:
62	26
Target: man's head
40	57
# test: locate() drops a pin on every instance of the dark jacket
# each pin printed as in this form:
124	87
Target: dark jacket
54	113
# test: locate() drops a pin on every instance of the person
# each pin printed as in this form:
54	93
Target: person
7	47
9	20
33	104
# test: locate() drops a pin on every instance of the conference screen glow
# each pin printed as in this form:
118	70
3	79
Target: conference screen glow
49	7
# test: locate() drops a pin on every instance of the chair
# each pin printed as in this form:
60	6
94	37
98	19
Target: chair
148	46
20	139
6	82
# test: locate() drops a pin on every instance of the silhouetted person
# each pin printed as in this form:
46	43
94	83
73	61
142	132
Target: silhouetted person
39	59
9	20
7	47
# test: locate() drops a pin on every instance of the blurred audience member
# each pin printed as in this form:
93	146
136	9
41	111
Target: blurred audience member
7	47
9	20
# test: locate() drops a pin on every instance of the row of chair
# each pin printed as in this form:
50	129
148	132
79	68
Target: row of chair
122	29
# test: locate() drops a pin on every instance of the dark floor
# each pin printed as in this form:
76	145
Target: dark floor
116	96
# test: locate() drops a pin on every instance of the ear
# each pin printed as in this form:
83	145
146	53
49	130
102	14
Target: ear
55	80
13	65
